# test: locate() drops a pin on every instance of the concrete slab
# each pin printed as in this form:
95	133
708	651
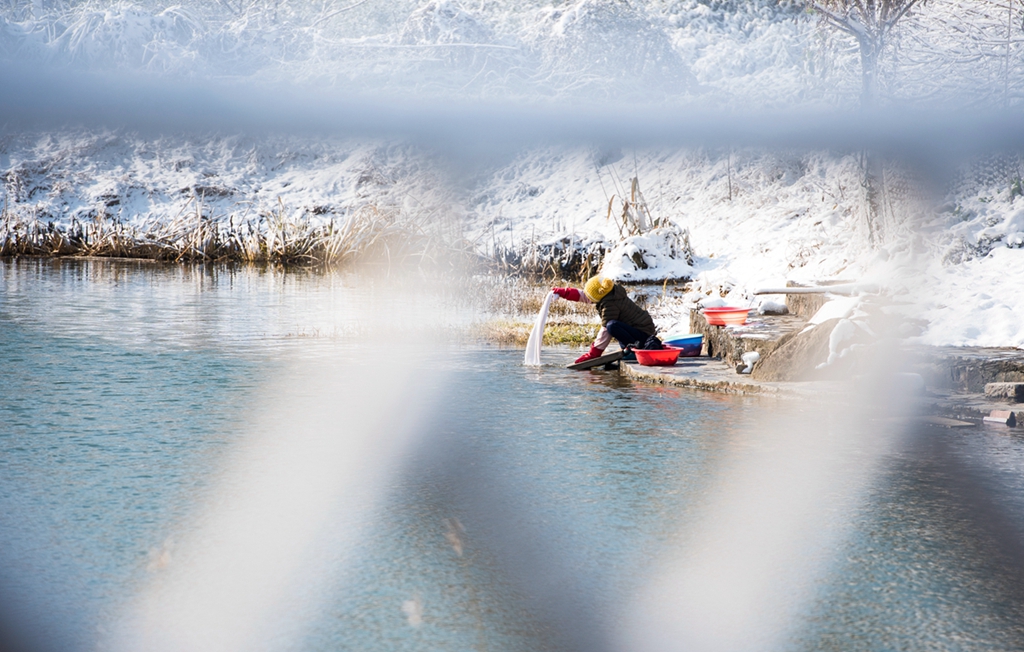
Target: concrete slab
714	375
968	369
1010	392
708	374
761	333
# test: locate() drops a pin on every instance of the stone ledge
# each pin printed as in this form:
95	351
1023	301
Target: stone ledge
965	370
715	376
762	334
969	406
968	369
705	374
1010	392
803	305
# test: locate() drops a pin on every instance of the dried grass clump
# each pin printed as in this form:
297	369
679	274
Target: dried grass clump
510	333
567	258
271	237
517	297
514	302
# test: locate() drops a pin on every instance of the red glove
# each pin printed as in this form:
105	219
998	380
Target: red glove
594	352
572	294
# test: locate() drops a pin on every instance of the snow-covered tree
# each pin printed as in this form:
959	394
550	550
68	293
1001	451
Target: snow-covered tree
966	53
871	22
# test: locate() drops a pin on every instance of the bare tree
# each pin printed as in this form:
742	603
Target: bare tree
870	22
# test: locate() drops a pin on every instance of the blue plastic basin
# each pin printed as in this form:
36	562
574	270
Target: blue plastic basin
690	344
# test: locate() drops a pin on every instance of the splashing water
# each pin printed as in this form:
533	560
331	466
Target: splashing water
532	357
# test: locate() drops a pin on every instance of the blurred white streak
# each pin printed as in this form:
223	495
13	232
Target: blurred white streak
750	558
247	574
413	610
42	97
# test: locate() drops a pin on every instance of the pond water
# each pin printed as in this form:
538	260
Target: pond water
533	510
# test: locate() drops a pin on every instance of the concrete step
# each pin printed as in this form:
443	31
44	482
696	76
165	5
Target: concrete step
761	333
1010	392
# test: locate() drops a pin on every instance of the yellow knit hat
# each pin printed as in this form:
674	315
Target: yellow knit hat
597	288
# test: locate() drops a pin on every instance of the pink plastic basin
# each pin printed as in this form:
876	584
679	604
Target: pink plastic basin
726	316
661	358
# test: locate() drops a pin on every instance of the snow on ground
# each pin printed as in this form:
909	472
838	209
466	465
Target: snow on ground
662	253
73	174
444	48
978	303
969	290
790	217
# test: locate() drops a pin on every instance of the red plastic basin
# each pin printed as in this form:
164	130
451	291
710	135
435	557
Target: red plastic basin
661	358
726	316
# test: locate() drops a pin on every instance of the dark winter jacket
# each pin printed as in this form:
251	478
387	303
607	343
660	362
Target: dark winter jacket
617	305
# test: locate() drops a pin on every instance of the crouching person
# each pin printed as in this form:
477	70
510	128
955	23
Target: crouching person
621	319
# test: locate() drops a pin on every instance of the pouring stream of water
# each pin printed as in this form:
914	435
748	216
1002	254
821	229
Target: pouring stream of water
532	357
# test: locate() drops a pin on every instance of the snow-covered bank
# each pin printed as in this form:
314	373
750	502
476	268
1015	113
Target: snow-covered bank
202	197
759	219
750	218
754	218
441	48
67	174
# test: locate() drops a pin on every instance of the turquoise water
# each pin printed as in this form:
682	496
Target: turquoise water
532	510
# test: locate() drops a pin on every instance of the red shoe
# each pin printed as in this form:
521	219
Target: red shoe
594	352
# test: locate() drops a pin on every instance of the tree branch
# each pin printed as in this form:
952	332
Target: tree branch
902	12
840	21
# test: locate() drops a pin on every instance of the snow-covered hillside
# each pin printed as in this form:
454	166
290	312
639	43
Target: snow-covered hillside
949	248
765	53
754	218
758	219
74	174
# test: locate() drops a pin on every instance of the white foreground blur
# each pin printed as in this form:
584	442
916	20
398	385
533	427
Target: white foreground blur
246	573
749	560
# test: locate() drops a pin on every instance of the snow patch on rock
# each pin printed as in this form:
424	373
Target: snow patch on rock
660	254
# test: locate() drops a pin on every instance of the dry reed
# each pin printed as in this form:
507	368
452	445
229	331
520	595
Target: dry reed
567	258
194	236
512	303
511	333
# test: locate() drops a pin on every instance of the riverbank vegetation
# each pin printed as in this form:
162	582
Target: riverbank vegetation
517	333
568	257
271	237
512	303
